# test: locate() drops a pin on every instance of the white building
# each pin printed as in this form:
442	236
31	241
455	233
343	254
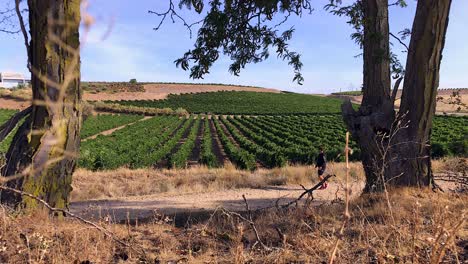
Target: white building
11	80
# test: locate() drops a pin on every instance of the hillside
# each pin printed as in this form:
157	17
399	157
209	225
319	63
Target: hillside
98	91
445	96
243	102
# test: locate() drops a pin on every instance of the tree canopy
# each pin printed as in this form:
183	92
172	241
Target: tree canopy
243	30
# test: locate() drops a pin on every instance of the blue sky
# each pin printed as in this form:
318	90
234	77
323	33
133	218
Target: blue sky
134	50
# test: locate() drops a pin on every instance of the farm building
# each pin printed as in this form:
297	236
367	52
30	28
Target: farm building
11	80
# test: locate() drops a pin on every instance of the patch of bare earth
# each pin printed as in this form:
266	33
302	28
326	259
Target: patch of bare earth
161	91
441	107
138	194
16	104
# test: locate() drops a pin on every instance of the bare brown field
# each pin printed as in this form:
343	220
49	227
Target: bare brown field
442	106
161	91
20	99
6	103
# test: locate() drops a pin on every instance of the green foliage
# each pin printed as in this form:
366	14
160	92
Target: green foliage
450	136
179	159
229	102
133	81
95	124
140	145
270	155
246	32
240	157
271	141
5	114
207	157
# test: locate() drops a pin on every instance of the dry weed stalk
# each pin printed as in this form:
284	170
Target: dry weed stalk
250	221
346	214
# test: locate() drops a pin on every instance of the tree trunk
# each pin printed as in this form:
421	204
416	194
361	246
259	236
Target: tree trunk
394	147
418	100
376	54
45	147
376	113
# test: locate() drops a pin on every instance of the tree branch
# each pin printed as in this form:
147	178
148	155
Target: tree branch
309	191
399	40
395	90
23	30
171	12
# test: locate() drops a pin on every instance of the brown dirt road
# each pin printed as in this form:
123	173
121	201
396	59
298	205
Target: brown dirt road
145	207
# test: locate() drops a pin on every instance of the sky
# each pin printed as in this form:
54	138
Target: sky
122	45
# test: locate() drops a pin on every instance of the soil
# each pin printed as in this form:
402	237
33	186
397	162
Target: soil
146	207
16	104
161	91
441	107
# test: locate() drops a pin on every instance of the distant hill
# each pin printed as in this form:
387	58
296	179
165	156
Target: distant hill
244	102
114	91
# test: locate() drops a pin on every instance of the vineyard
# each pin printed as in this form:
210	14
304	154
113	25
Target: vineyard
247	142
95	124
252	103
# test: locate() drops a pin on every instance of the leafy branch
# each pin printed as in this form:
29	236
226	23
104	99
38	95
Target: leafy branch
241	30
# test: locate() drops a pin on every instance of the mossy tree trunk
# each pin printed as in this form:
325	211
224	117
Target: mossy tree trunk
395	146
46	145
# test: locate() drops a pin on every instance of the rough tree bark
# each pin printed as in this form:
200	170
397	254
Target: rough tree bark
45	146
420	88
395	146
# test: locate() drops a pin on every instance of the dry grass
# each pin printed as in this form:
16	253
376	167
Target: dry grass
425	228
24	94
125	182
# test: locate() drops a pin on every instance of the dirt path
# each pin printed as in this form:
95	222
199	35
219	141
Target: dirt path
145	207
110	131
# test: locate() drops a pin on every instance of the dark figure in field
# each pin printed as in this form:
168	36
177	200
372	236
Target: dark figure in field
321	164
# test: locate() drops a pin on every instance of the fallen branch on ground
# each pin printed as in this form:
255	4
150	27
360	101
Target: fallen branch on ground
309	191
